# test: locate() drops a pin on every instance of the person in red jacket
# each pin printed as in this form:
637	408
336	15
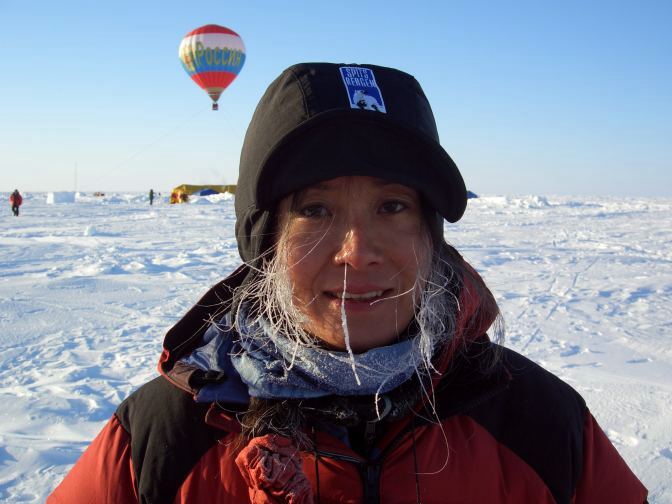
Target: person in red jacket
348	358
15	201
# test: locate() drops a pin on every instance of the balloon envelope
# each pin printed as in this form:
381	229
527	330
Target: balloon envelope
212	55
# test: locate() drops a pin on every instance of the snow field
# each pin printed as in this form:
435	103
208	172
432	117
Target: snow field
88	289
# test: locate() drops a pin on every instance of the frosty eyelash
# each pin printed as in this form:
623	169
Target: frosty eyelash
311	210
399	206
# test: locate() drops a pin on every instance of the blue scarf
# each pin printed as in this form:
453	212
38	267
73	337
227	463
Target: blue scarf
270	365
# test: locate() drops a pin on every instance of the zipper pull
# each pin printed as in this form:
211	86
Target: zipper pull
370	427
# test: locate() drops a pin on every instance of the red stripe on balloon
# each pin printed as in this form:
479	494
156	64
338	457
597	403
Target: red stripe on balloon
213	79
212	28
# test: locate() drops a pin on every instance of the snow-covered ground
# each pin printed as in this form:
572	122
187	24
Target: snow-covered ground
87	290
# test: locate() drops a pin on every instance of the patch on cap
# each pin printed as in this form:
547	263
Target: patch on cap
363	91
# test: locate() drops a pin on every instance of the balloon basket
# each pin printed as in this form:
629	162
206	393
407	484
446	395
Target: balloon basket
215	106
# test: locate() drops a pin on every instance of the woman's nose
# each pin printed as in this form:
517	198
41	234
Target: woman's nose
358	248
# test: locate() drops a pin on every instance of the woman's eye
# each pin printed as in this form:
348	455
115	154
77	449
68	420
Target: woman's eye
392	207
314	211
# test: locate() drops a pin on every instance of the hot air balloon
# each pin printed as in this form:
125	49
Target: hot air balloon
212	55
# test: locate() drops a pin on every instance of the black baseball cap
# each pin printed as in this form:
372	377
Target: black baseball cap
319	121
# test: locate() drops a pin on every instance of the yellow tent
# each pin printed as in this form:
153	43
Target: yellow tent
182	192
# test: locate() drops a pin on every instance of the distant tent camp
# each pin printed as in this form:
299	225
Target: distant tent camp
471	195
182	192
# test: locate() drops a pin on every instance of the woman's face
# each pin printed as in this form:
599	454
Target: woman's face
358	243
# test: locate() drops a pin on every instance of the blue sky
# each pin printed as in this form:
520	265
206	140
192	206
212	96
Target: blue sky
530	97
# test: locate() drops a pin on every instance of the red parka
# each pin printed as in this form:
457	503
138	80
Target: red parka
15	199
504	430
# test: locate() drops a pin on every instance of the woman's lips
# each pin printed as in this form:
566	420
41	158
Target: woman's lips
359	298
364	296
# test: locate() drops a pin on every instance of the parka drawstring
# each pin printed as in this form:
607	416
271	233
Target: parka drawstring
415	465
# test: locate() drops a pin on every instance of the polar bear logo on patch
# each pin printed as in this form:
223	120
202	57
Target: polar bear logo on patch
365	101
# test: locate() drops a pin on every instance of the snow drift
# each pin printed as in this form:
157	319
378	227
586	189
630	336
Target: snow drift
584	284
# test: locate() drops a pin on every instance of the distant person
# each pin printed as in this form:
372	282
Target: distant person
151	196
15	200
347	358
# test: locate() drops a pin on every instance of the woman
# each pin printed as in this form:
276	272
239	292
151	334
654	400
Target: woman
347	360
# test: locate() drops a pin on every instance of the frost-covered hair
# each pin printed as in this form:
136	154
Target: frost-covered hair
270	294
437	308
